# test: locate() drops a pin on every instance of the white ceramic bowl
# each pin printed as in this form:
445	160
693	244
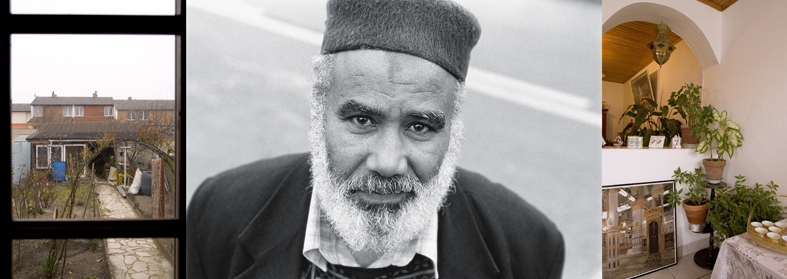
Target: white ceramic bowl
756	224
774	237
781	224
767	223
775	229
761	231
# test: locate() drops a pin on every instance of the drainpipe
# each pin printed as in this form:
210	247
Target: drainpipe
125	175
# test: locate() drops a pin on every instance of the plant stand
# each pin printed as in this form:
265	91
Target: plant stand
706	258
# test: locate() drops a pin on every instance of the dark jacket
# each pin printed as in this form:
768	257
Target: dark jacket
249	222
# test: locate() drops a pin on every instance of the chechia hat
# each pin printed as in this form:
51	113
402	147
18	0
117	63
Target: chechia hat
439	31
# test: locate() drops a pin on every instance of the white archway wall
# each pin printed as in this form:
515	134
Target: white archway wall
698	25
750	85
748	81
681	68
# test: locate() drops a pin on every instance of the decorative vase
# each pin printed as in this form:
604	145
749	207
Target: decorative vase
696	215
714	168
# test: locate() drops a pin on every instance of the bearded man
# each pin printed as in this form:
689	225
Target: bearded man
380	194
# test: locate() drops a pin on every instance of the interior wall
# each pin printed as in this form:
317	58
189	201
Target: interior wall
612	95
680	69
749	85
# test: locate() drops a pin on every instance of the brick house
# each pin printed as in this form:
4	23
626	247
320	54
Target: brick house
56	109
158	111
20	115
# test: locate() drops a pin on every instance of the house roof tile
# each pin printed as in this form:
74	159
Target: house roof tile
84	101
144	104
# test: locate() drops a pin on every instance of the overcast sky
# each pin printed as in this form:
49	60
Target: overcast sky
103	7
119	66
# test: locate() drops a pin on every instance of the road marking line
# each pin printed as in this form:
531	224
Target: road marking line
516	91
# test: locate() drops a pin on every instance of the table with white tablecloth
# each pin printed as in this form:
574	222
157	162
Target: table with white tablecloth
742	257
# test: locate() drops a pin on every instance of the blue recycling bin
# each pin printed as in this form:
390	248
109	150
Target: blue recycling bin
59	171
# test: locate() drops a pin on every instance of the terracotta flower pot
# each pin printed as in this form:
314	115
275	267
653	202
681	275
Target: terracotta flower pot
687	138
696	215
714	170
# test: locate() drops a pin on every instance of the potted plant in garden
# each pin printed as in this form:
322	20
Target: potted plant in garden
695	202
687	103
727	136
731	207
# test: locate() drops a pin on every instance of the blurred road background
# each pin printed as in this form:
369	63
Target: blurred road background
532	112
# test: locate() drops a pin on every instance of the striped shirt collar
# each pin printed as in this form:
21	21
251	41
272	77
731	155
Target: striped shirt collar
321	245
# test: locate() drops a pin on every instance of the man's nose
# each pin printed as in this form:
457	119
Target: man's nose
388	156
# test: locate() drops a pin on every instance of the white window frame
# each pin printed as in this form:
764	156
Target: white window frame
65	146
68	111
109	108
49	154
79	111
38	150
143	114
38	111
131	115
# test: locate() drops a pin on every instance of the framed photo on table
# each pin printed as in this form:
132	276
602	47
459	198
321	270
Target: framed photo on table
638	229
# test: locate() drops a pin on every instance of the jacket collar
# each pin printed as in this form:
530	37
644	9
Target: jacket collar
274	238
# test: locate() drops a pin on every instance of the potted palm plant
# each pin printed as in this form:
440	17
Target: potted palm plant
695	202
727	136
687	103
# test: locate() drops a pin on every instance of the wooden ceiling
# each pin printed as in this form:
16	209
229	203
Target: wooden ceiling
624	50
719	5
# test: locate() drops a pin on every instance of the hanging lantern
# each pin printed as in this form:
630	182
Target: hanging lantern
661	47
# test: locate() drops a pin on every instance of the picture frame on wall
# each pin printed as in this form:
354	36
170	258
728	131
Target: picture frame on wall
641	88
638	229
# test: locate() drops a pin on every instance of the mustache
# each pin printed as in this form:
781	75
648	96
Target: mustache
401	183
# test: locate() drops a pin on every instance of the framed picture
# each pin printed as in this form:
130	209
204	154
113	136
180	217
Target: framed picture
641	88
638	229
656	141
634	142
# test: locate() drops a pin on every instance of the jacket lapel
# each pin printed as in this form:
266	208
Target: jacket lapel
462	249
274	238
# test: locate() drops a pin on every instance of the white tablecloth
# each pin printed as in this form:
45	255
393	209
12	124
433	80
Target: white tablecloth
742	257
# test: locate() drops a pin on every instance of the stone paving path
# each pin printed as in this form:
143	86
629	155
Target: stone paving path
130	258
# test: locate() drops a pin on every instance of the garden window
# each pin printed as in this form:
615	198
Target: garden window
172	26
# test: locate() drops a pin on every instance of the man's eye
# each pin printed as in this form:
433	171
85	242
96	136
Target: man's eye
362	120
420	128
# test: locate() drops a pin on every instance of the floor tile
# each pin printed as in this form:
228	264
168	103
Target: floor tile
687	269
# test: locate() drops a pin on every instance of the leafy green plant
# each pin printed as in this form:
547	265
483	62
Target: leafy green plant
34	210
727	136
688	104
696	195
731	207
650	120
95	244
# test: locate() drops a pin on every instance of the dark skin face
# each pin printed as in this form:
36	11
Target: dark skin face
388	113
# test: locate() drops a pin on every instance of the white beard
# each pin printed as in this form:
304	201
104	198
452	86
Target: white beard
378	229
